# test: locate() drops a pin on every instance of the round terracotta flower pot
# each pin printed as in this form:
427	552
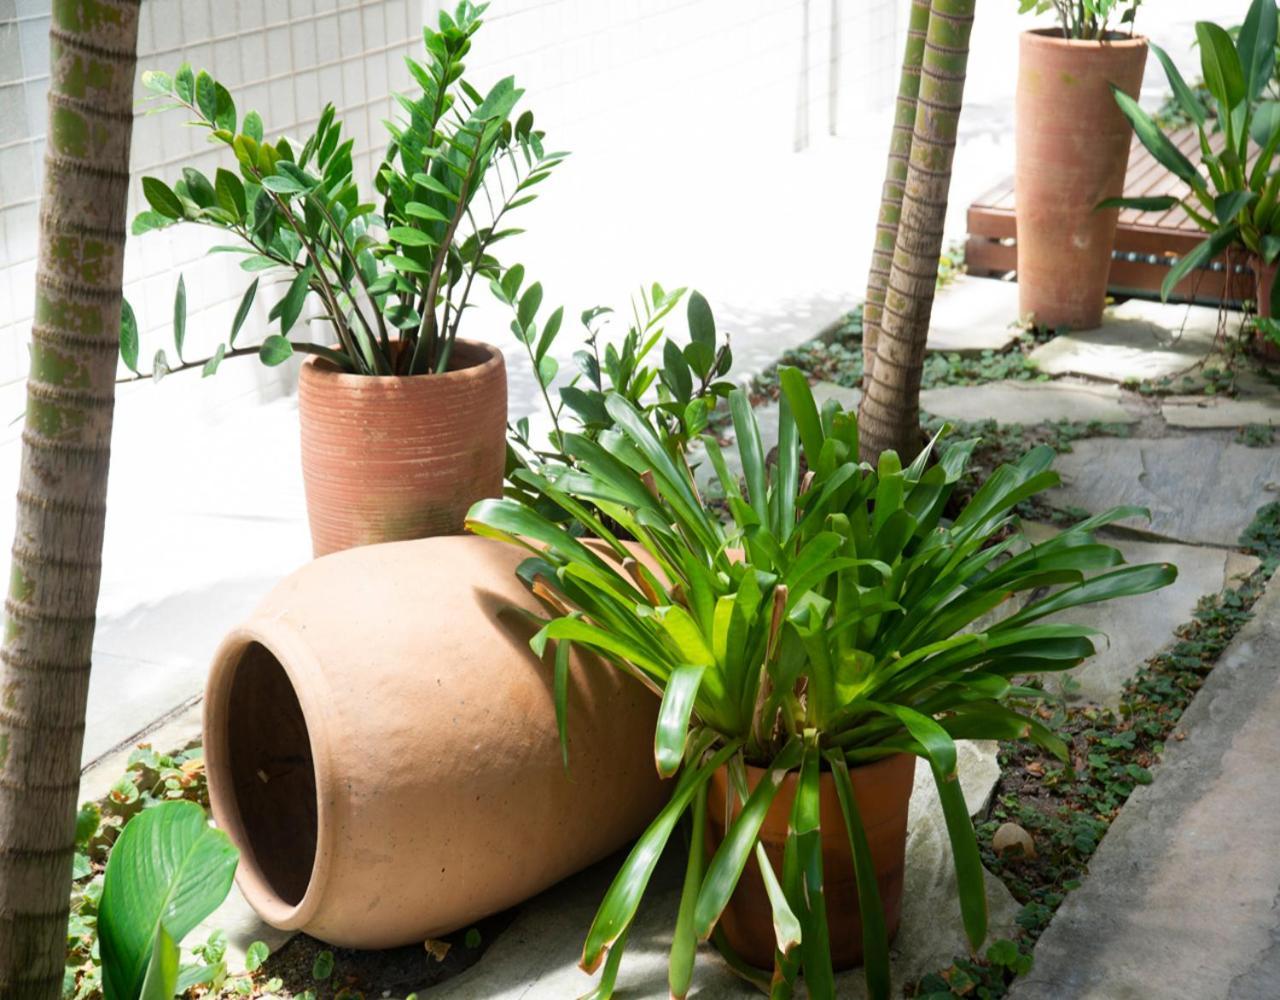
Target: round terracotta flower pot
1072	152
381	745
388	457
883	792
1264	280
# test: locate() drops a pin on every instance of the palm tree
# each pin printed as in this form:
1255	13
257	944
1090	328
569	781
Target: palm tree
889	415
57	549
895	177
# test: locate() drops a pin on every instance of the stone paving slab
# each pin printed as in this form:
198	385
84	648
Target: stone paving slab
972	315
1203	488
1221	411
1019	402
1137	340
1138	628
536	957
1182	898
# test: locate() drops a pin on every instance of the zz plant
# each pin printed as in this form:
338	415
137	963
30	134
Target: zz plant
1235	196
830	623
1085	20
394	281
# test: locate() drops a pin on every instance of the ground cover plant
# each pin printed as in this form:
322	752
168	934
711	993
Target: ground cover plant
393	281
833	640
1067	807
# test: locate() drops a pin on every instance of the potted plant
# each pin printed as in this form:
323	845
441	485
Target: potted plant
403	421
803	653
1072	151
1234	195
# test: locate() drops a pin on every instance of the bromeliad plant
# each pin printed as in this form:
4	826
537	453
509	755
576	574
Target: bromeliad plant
1235	196
1086	20
823	627
392	286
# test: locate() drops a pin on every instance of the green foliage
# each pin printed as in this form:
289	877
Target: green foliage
1067	809
1236	199
822	627
1085	19
392	286
168	871
676	386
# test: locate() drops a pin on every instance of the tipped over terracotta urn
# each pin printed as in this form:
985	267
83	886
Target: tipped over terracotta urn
381	745
392	457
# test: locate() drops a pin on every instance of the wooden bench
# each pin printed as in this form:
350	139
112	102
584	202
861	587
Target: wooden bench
1146	245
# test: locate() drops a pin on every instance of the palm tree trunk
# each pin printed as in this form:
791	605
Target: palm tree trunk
889	416
57	549
895	177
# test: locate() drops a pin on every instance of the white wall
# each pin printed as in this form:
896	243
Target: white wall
701	84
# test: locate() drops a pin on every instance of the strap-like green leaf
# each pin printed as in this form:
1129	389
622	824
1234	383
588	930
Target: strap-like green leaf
673	717
1199	256
875	935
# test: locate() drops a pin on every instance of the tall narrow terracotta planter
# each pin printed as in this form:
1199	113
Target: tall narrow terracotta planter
883	792
387	458
381	745
1072	152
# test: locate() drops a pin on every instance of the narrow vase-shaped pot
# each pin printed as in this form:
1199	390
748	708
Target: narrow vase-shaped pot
882	791
381	744
1072	153
387	457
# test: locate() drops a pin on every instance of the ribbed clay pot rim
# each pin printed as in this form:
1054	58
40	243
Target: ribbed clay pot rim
487	358
824	773
1051	38
310	687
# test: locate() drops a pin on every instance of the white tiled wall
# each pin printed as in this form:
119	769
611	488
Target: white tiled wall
686	77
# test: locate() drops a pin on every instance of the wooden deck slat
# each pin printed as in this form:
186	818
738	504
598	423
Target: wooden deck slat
992	248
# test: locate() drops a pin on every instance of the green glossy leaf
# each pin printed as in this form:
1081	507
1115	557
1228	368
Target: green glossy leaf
1154	203
1227	206
673	717
1220	65
875	935
161	198
242	311
128	337
184	83
283	184
1256	46
1157	143
169	869
409	237
275	350
623	898
206	95
252	126
419	210
289	308
739	842
529	303
1200	256
702	325
180	317
161	980
1187	101
211	366
230	193
684	942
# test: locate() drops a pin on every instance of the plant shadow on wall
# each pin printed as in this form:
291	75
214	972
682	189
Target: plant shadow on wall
803	653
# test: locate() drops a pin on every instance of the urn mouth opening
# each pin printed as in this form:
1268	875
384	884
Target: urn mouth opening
263	785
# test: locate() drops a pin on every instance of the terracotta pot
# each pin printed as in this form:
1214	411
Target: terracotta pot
388	458
381	745
883	792
1264	280
1072	152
